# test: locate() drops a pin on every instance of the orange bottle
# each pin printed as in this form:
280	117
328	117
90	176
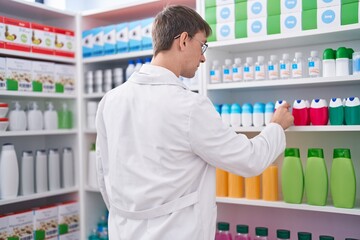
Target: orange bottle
270	190
236	186
221	183
252	187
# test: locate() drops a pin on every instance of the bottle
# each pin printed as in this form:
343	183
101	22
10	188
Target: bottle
102	228
301	112
323	237
225	114
352	111
34	117
107	80
9	172
342	179
235	115
285	67
92	175
292	176
118	76
41	172
91	114
336	111
89	82
138	65
329	66
297	66
98	81
259	115
222	232
17	118
260	72
50	117
356	63
304	236
269	112
242	232
215	74
248	69
252	187
67	168
342	62
283	234
130	69
227	71
236	186
246	115
273	68
65	117
237	70
316	178
222	183
350	53
27	175
54	169
314	64
261	233
319	112
93	235
270	190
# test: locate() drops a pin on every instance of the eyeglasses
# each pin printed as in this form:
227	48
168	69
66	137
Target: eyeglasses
204	46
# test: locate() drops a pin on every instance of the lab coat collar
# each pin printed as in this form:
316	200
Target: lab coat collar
156	75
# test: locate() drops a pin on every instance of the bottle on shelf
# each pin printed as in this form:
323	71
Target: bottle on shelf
314	64
225	114
246	115
269	112
329	65
93	235
50	117
273	68
130	69
342	62
356	63
336	111
91	114
227	71
138	65
34	117
41	171
259	114
107	86
102	228
261	233
222	183
248	69
350	52
319	112
324	237
297	66
67	167
27	175
352	111
237	70
17	118
301	112
9	172
92	175
118	76
215	74
54	169
236	186
285	66
260	72
89	82
65	117
270	191
222	232
235	115
98	81
242	232
304	236
252	187
283	234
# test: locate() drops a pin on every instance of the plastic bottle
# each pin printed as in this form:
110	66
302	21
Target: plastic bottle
118	78
283	234
34	117
350	53
246	115
225	114
342	179
273	68
269	112
242	232
352	111
342	62
138	65
67	168
89	82
237	70
41	171
297	66
316	178
259	115
235	115
260	73
301	112
107	86
27	175
323	237
248	69
292	176
98	81
222	183
102	228
9	172
92	175
91	114
130	69
236	186
252	187
215	73
65	117
222	232
304	236
329	65
285	67
356	63
319	112
270	191
50	117
227	71
314	64
93	235
17	118
261	233
54	169
336	111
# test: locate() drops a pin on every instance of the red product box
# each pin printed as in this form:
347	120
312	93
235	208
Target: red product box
64	43
17	35
42	39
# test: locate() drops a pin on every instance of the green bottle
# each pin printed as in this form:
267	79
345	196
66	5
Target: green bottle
316	178
65	117
323	237
292	175
304	236
342	179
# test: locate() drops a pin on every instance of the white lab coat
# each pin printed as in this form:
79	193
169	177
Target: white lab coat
158	145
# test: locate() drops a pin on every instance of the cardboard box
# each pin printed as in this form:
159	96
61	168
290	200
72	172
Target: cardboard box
87	43
64	44
69	217
18	74
70	236
21	225
309	19
328	18
241	29
256	27
4	224
225	31
273	24
122	37
43	77
2	73
290	6
17	35
42	39
2	31
220	14
273	8
213	3
290	23
350	13
64	78
146	29
256	9
46	223
109	40
98	41
135	36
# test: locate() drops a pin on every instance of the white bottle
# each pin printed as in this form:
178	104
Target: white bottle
314	64
130	69
342	62
9	172
246	115
34	117
215	74
273	68
225	114
248	69
329	66
27	176
259	115
269	112
278	103
41	172
98	81
89	83
118	76
107	80
54	169
297	66
285	67
237	70
235	115
91	114
260	72
67	168
92	173
138	65
50	117
227	71
17	118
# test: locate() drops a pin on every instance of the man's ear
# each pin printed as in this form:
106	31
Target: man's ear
183	40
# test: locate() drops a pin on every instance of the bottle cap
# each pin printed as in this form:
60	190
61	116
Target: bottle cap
235	108
93	147
4	119
242	228
318	103
4	105
335	102
261	231
326	237
223	226
304	236
300	104
259	107
273	58
215	62
269	107
298	55
314	53
225	109
217	108
260	58
352	102
315	152
350	52
285	56
329	54
131	62
237	60
342	153
249	60
342	52
228	61
27	153
292	152
283	234
247	108
138	60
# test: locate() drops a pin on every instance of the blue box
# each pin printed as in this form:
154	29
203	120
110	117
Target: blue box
87	43
146	29
98	40
122	37
109	40
135	36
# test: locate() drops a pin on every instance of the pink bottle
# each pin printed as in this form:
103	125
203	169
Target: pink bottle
242	232
222	232
319	113
301	113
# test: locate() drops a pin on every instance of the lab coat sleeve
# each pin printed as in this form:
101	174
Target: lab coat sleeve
220	146
101	153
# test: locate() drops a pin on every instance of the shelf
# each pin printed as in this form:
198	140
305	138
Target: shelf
303	38
280	204
37	133
90	131
38	196
120	56
94	95
91	189
327	128
36	56
343	80
37	94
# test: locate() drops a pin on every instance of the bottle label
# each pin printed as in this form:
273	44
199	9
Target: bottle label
227	75
273	71
237	74
297	70
215	76
314	68
284	70
271	67
259	72
248	73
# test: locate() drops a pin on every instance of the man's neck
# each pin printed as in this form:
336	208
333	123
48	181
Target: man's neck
167	60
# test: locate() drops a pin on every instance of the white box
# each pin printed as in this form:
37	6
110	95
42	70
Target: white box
328	3
44	73
2	73
64	44
256	9
256	27
122	37
21	225
225	31
146	29
225	13
17	35
328	18
223	2
98	41
70	236
69	215
2	31
46	219
135	36
18	74
4	224
290	22
290	6
87	43
109	40
65	77
42	39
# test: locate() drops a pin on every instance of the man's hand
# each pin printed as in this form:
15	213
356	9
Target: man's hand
283	117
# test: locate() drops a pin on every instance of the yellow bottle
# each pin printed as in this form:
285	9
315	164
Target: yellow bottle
236	186
270	191
252	187
221	183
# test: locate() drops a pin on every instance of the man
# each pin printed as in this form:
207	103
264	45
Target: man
158	143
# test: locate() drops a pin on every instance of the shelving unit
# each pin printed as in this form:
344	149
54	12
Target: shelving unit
38	133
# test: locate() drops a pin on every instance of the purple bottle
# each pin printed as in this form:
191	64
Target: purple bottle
222	232
242	232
